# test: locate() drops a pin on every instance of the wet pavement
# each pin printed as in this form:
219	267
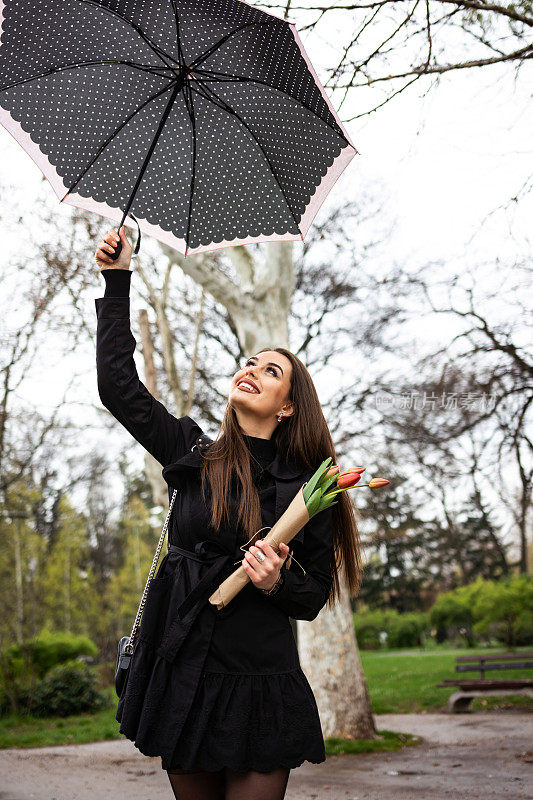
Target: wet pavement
462	756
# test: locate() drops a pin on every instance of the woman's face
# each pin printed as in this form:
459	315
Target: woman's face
271	374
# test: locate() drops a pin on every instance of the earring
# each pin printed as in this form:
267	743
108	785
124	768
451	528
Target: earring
280	416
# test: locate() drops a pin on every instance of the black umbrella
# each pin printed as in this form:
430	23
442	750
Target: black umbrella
204	118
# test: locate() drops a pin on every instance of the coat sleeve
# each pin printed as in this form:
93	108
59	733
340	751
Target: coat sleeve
302	596
163	435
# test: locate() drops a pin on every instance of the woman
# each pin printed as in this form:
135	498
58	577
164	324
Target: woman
220	694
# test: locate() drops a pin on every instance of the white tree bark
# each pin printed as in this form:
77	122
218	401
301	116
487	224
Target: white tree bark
152	467
260	304
330	659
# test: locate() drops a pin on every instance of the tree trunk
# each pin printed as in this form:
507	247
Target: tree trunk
151	466
19	624
137	559
67	599
330	659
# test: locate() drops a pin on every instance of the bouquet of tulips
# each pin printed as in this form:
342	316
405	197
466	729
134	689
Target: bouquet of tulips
313	497
316	492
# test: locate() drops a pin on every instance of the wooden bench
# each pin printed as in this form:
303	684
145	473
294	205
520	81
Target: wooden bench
472	687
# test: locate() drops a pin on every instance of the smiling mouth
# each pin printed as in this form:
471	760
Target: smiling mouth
246	389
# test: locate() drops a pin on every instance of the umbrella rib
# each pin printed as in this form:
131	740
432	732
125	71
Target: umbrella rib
222	104
141	67
222	41
177	19
190	108
177	88
110	138
153	46
238	78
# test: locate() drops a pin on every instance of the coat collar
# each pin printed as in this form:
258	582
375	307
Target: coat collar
287	475
279	468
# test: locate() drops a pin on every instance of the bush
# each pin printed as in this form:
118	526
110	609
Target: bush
49	649
402	630
407	630
16	699
67	689
492	609
23	665
505	610
368	625
453	611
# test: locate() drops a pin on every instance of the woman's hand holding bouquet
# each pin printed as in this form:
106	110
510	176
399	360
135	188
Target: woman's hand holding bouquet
313	497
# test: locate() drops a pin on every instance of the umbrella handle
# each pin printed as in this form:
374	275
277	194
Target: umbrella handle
118	250
118	246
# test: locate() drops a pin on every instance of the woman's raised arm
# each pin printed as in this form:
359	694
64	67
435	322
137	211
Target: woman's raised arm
121	391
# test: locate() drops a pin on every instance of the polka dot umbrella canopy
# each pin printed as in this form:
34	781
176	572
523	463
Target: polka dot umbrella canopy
204	121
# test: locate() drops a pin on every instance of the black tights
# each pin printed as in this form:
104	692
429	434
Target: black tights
229	785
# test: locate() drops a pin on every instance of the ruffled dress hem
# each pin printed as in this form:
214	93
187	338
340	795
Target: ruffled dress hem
255	767
236	718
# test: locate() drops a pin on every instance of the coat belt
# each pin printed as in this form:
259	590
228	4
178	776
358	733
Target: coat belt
189	608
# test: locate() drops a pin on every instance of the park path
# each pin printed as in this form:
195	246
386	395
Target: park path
464	756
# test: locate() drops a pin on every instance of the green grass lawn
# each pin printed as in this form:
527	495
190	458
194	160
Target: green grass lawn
78	729
399	681
386	741
404	681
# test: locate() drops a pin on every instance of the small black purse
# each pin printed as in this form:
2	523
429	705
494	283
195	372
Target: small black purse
126	644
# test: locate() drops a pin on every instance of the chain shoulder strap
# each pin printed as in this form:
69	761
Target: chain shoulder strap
135	629
201	442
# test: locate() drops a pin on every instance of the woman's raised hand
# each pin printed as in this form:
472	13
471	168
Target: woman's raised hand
107	245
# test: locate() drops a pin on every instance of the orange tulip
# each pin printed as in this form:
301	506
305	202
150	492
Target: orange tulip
331	472
348	479
352	470
375	483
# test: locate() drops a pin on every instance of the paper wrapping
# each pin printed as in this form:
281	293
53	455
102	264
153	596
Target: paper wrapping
284	529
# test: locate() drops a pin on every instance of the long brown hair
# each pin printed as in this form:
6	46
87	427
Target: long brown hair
305	440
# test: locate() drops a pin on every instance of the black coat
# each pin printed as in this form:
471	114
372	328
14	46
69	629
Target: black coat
175	678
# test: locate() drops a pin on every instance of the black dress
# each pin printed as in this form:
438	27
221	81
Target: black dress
211	688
